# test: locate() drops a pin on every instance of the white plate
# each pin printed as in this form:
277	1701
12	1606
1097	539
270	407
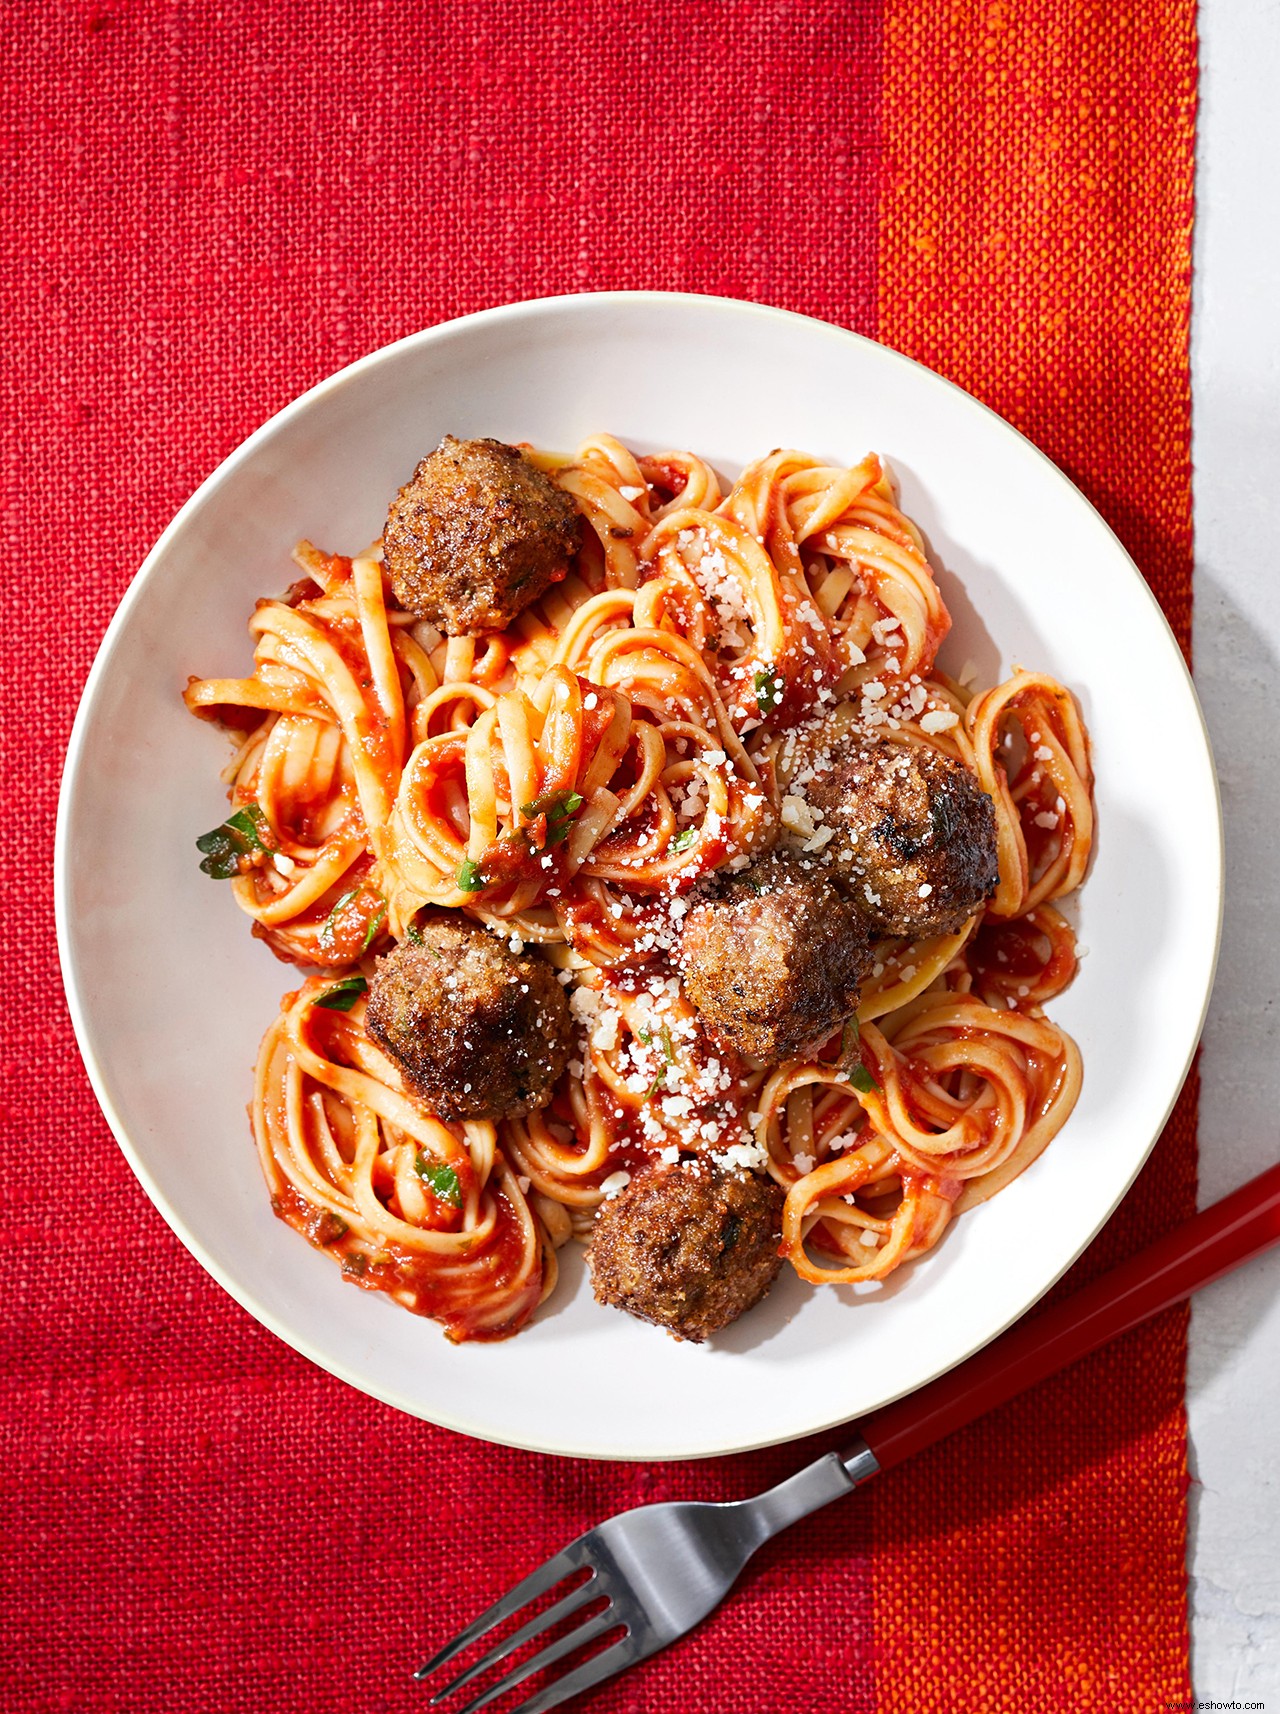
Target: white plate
170	994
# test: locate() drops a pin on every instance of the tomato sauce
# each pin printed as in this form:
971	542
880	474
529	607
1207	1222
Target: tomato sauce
1015	951
463	1302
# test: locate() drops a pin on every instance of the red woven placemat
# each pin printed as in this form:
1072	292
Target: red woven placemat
208	210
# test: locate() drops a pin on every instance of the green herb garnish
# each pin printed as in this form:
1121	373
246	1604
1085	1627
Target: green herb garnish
375	923
443	1180
343	995
246	831
768	685
850	1050
329	927
470	880
330	1228
415	937
559	809
664	1035
683	841
554	805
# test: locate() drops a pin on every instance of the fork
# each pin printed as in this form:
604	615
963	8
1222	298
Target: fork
660	1569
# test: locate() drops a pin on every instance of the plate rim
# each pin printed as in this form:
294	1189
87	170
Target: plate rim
523	309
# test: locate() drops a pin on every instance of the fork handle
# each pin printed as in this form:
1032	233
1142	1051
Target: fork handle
1197	1251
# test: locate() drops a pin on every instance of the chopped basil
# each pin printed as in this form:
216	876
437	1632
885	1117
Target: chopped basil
330	1227
664	1036
683	841
850	1050
556	806
343	995
415	937
768	685
559	809
222	864
254	825
443	1180
329	927
245	831
470	880
375	923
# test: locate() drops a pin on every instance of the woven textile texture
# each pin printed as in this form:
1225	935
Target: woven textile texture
207	210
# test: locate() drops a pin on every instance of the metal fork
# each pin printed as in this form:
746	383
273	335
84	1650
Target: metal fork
660	1569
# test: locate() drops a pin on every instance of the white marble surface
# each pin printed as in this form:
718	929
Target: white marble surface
1233	1388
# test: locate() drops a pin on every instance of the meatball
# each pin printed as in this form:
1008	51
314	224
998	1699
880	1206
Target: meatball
476	1032
687	1247
772	957
475	535
915	834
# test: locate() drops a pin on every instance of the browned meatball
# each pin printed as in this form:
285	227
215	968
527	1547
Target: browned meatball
476	1032
476	535
772	957
688	1247
915	834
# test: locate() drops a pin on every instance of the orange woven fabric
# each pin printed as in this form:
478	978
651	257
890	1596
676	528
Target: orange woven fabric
1035	247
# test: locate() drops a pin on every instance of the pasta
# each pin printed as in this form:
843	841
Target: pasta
568	782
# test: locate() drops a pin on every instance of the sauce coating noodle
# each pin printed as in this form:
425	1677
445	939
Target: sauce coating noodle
567	782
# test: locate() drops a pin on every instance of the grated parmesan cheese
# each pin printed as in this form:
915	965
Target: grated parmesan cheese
798	816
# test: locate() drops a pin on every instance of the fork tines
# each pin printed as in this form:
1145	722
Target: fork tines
582	1677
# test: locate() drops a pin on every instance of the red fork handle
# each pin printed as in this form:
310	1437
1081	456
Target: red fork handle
1212	1243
